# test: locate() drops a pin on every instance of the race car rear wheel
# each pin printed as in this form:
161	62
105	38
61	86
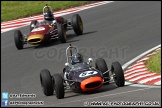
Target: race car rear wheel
18	37
61	33
77	24
102	66
58	86
46	82
33	24
119	74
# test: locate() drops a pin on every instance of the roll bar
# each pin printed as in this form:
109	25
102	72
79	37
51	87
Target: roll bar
69	48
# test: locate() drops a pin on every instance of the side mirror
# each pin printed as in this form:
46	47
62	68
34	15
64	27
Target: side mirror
66	64
90	60
33	25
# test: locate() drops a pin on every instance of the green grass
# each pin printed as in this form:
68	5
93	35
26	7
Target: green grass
154	63
11	10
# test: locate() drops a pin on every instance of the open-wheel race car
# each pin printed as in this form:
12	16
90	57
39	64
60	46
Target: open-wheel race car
50	28
80	76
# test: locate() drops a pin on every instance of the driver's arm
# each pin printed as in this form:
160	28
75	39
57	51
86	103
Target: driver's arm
53	22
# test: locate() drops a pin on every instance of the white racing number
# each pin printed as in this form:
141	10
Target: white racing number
88	73
38	29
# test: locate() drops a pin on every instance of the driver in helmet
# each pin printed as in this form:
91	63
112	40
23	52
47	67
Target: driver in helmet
48	17
76	58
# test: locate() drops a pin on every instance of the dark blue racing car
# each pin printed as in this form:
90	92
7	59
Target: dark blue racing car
80	76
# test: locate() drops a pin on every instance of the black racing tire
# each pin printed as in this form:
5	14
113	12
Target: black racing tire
33	22
77	24
61	33
101	65
58	86
18	37
46	82
62	20
119	74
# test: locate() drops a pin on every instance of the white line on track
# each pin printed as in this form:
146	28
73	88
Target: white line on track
158	83
141	76
129	74
59	13
149	79
138	57
101	96
134	71
136	67
137	74
144	59
136	64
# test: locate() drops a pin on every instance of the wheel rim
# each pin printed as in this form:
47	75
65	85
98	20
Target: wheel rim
42	85
114	75
115	78
80	24
55	90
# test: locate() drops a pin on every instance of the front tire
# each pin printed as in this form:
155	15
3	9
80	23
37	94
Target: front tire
102	66
46	82
18	37
58	86
61	33
119	74
77	24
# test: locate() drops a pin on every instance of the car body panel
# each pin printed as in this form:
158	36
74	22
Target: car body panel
84	78
38	34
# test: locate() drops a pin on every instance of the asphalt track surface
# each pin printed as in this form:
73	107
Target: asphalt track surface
118	31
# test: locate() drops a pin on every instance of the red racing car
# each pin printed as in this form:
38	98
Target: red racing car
50	28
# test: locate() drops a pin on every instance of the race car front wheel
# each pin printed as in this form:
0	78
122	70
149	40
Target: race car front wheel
58	86
77	24
18	39
46	82
118	74
102	66
61	33
33	24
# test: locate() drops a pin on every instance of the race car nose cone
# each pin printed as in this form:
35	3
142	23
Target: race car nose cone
35	39
91	83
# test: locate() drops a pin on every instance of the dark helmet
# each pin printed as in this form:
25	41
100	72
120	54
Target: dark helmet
48	15
77	58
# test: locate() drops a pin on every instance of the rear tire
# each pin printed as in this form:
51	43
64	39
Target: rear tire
119	74
102	66
61	33
18	37
77	24
58	86
46	82
33	23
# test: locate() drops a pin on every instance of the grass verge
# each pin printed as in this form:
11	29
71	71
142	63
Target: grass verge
154	63
11	10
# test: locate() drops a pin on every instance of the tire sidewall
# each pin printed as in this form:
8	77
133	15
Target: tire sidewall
77	24
61	33
117	69
46	82
58	86
101	65
18	39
